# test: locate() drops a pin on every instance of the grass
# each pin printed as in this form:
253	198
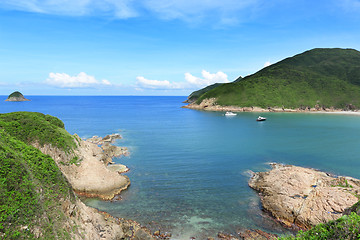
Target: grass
31	185
31	190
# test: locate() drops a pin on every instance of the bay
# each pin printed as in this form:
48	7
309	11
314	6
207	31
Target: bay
189	169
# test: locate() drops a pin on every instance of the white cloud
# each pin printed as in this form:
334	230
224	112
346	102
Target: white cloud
82	80
153	84
191	82
188	10
266	64
207	78
115	8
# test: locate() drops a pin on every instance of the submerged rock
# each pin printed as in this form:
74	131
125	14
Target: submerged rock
16	97
304	197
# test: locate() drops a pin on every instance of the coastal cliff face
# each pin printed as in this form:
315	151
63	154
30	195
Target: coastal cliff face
304	197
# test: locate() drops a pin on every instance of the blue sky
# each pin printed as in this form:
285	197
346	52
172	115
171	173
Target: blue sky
159	47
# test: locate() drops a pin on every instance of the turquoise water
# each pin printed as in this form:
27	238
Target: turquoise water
189	169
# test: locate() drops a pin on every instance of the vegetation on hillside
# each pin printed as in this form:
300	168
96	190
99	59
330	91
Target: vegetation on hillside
195	95
316	78
31	187
346	227
31	184
30	127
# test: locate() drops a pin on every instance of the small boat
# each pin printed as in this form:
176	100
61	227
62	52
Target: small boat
260	118
230	114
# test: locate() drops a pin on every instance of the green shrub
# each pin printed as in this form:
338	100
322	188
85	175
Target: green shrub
346	227
31	127
31	187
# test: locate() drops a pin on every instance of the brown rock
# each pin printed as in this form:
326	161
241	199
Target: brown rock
304	197
256	234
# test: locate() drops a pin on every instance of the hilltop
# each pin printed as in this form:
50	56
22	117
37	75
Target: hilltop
317	79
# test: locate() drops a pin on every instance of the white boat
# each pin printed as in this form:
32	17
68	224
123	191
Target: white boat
260	118
230	114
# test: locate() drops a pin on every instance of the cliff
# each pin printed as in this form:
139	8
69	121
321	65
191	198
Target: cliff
37	192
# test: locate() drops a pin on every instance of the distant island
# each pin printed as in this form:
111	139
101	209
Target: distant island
16	97
316	80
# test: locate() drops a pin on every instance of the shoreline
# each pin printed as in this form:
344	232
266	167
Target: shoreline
211	106
87	167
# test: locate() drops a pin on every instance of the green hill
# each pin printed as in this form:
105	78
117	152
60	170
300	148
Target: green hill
32	187
196	94
319	77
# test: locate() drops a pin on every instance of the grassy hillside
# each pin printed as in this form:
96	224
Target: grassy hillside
195	95
31	185
319	77
31	127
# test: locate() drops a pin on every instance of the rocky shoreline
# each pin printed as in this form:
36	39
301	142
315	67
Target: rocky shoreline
87	167
303	197
210	105
90	171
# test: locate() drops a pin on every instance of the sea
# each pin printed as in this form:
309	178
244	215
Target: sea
189	169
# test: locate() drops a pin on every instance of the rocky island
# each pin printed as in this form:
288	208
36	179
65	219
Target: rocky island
303	197
16	97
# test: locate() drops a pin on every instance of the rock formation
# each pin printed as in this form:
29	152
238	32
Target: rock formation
93	224
304	197
16	97
86	168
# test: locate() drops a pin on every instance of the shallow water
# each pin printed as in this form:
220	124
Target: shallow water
189	168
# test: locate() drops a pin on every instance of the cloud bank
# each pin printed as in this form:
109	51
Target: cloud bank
191	81
82	80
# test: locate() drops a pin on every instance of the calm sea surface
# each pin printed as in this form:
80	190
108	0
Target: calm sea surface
189	169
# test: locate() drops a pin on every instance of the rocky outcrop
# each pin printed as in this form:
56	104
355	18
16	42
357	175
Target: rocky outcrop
304	197
86	168
16	97
84	222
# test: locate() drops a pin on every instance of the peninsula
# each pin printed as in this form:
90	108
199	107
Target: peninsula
16	97
321	79
42	168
